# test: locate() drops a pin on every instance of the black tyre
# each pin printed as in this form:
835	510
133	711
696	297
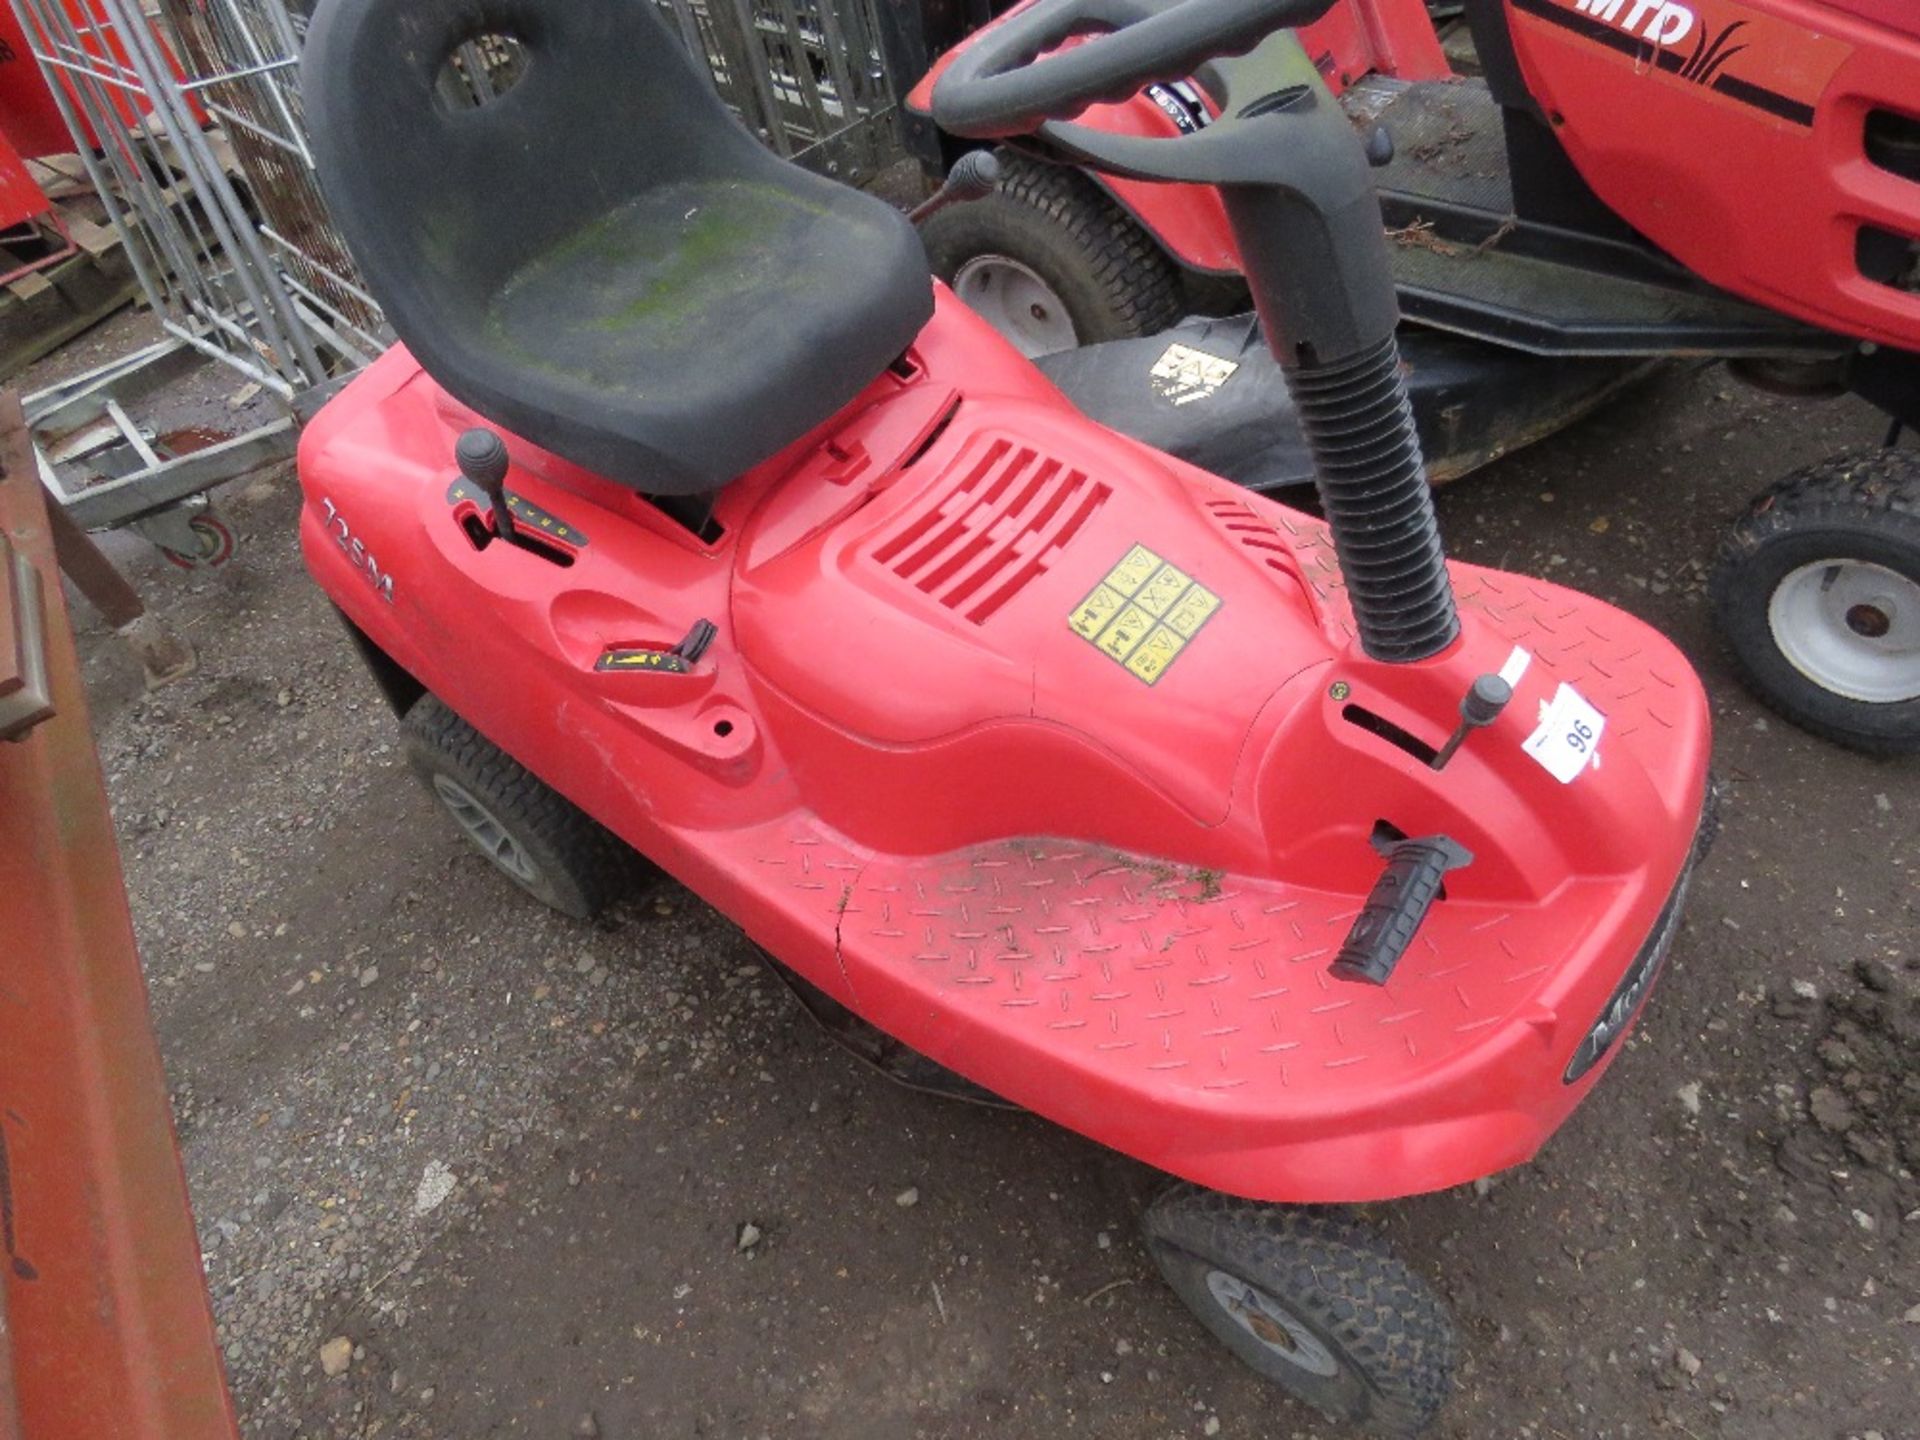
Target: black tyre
1052	261
531	833
1312	1301
1817	594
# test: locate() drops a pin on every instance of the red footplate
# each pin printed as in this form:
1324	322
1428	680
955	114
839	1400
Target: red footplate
1187	1017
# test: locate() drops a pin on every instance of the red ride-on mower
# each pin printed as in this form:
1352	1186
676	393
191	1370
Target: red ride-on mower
1632	180
693	517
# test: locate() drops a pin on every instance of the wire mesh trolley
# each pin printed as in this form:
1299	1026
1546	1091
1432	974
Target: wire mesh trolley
249	275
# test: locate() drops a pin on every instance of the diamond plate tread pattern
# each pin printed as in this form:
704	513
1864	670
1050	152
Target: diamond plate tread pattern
1639	681
1163	977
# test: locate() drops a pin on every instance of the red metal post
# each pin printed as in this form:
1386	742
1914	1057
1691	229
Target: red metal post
107	1328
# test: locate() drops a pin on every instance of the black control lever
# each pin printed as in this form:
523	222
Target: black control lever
482	458
1395	907
973	177
678	661
1378	142
1485	699
695	644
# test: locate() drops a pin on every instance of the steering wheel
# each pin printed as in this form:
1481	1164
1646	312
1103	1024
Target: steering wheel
998	86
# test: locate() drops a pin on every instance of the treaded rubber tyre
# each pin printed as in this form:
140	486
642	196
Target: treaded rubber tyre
1114	279
1861	507
1368	1343
558	855
1214	295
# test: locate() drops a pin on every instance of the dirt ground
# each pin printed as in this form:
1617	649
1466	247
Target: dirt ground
509	1158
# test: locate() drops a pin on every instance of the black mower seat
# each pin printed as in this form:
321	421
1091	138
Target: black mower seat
601	258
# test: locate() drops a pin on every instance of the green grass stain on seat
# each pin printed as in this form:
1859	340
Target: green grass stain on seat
623	303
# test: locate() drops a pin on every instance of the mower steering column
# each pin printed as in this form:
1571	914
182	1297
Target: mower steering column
1294	176
1298	189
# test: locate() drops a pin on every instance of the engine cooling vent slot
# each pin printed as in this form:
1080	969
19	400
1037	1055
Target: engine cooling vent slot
983	540
1254	534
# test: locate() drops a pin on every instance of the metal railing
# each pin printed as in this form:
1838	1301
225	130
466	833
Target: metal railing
815	79
261	297
246	53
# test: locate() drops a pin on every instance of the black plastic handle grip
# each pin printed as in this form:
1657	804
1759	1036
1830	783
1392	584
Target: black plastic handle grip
482	457
998	86
1398	903
975	175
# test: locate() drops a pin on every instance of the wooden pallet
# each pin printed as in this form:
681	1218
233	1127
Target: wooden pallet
44	309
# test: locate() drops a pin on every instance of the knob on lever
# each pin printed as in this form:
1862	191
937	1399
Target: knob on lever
482	458
973	177
1479	707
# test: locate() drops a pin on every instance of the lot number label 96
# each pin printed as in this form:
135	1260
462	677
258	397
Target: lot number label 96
1568	739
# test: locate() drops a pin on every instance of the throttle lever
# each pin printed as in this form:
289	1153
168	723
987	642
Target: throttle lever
975	175
482	458
1485	701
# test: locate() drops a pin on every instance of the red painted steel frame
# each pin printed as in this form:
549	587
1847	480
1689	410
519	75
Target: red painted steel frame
21	199
32	120
107	1329
29	114
23	202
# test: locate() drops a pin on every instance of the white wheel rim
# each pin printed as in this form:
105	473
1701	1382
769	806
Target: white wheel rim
484	829
1014	300
1271	1323
1851	627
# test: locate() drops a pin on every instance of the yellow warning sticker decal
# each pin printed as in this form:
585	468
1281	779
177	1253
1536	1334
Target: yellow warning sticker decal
1134	567
1128	629
1166	586
1144	612
1192	612
1156	652
1096	610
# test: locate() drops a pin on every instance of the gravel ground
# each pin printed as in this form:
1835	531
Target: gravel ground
465	1169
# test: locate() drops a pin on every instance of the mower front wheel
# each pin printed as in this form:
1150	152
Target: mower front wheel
1312	1301
1817	593
1052	262
528	831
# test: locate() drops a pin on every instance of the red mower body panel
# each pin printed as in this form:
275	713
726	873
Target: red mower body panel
1733	134
1894	14
1056	759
